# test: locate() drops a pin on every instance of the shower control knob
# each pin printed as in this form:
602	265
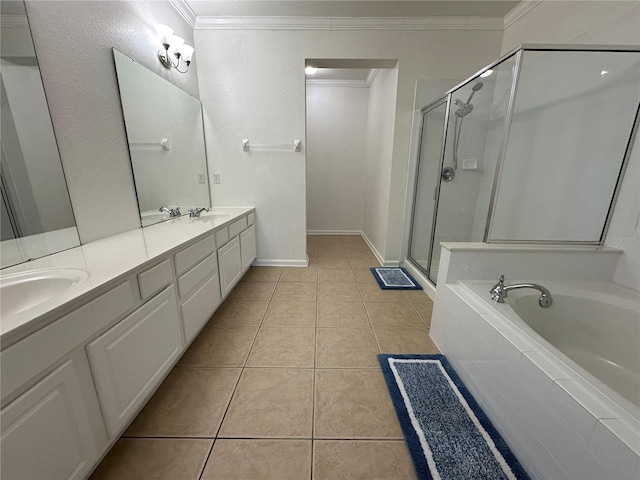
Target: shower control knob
448	173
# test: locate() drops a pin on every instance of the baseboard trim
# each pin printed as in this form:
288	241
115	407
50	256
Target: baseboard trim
334	232
424	282
280	263
380	258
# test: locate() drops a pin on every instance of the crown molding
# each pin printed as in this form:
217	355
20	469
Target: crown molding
520	11
348	23
14	21
185	11
326	82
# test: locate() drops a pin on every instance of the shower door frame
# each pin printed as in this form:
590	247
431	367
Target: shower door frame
446	99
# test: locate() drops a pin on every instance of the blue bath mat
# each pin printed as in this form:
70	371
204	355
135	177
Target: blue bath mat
448	435
394	278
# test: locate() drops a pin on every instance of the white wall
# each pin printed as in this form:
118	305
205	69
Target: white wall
336	148
253	86
600	22
73	40
378	162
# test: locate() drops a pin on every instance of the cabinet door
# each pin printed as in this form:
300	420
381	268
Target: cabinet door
230	264
131	359
46	432
198	308
248	247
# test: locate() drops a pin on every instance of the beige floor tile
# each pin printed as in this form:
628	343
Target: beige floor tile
292	314
313	260
157	458
271	402
329	240
364	275
283	347
393	314
296	292
371	292
253	291
190	403
424	309
342	347
417	295
332	251
404	340
262	274
342	314
364	459
220	347
259	459
299	274
363	263
240	313
335	275
353	403
331	262
338	292
363	255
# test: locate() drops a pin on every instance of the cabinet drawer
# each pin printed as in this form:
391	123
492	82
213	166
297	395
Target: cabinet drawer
197	274
27	358
198	308
251	218
154	279
129	360
236	227
193	254
222	236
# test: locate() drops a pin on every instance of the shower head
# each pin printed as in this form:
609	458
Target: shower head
464	110
474	89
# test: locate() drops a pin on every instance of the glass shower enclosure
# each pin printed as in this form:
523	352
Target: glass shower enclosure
531	149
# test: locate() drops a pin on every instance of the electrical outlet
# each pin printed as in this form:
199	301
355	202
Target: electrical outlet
216	178
202	178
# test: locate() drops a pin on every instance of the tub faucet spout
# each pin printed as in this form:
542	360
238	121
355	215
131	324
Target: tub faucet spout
499	292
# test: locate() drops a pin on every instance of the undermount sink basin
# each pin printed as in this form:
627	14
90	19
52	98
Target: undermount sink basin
214	216
21	292
149	218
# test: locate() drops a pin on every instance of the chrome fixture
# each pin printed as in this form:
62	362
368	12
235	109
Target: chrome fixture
195	212
464	109
173	212
499	292
174	49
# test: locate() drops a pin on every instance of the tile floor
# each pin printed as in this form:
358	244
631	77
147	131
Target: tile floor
283	382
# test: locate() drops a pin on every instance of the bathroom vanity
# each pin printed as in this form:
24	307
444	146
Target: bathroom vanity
78	365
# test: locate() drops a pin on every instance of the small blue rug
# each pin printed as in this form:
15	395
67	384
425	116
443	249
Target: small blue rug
448	435
394	278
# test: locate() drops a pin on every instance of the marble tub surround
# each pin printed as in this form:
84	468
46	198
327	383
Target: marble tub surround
107	261
555	421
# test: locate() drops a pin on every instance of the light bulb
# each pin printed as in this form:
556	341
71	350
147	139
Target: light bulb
186	51
310	70
164	32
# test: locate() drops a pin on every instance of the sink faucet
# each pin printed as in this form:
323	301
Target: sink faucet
173	212
499	292
195	212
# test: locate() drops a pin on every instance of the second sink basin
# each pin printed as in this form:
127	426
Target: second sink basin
23	291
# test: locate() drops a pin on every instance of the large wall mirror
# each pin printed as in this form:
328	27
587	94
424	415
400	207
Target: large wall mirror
37	218
166	142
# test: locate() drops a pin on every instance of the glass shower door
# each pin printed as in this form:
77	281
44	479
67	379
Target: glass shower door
428	173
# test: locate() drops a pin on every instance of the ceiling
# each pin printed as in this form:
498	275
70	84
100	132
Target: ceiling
352	8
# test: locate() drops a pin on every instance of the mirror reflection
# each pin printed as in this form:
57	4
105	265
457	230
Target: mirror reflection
166	143
37	218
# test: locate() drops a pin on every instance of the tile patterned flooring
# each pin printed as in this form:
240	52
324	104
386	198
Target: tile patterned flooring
283	382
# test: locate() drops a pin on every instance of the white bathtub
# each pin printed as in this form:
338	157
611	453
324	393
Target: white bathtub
562	384
598	331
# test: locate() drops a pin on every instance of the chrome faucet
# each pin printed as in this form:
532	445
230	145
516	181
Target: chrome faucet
173	212
499	292
195	212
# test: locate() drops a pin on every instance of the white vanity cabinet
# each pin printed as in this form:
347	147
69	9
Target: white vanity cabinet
131	359
248	247
230	262
54	429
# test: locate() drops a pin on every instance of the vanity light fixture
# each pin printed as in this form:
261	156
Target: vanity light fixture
175	50
310	70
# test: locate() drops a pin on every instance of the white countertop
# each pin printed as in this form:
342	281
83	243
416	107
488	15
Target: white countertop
106	261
